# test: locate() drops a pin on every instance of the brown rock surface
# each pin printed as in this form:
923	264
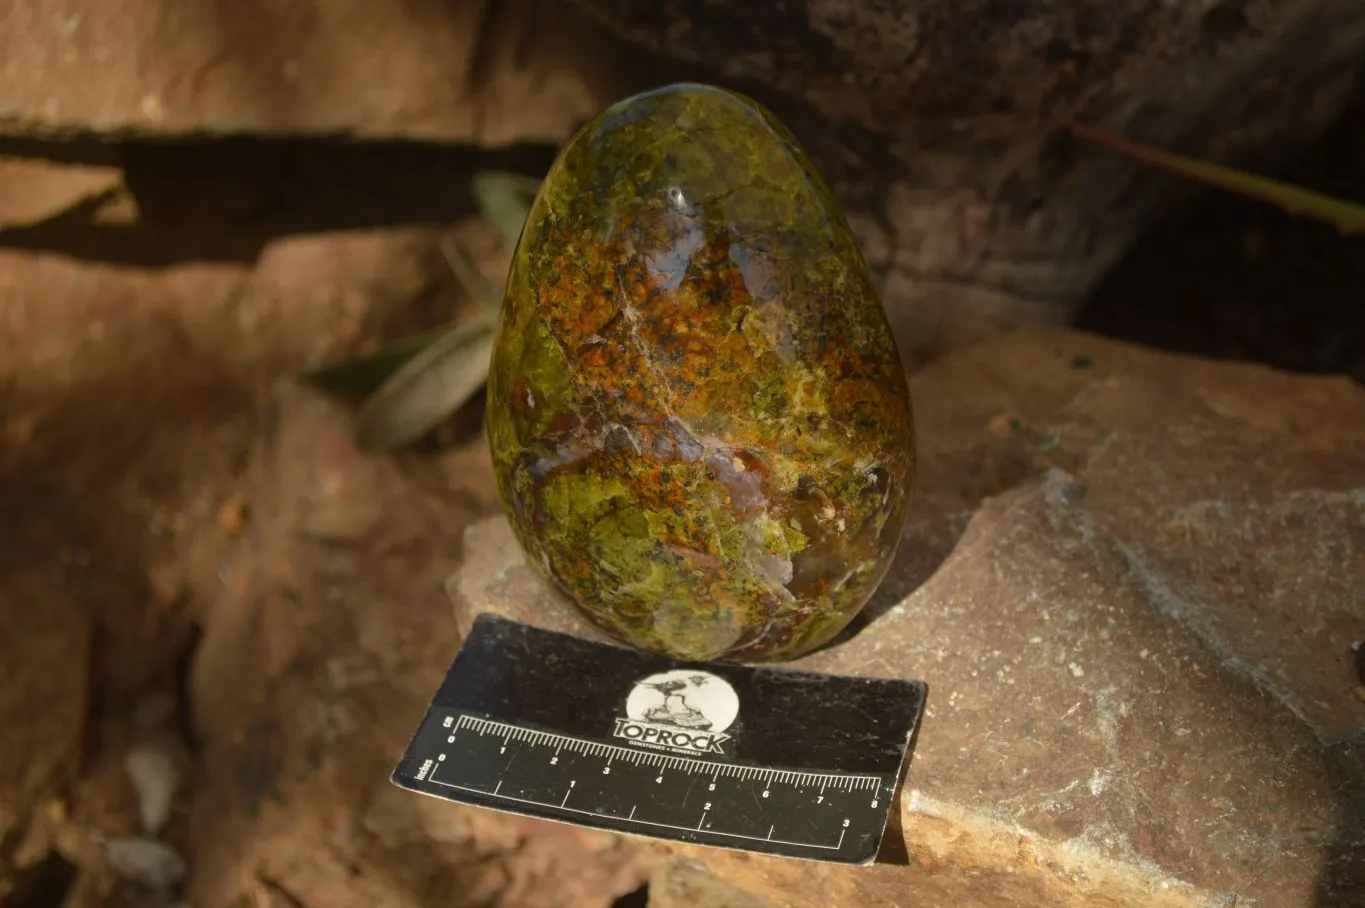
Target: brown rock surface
470	71
45	642
128	411
683	883
1131	580
314	669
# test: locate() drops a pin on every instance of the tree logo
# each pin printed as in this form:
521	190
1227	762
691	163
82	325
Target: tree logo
683	709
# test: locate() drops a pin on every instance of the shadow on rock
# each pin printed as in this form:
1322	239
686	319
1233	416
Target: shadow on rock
927	544
223	200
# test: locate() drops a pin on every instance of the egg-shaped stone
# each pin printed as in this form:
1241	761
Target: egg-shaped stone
699	419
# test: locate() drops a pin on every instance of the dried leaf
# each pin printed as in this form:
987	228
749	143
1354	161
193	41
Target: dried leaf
484	295
359	377
428	388
505	199
1347	217
412	386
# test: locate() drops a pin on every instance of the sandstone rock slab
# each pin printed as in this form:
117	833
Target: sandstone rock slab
1131	580
468	71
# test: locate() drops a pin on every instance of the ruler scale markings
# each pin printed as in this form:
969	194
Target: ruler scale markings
742	771
766	775
717	832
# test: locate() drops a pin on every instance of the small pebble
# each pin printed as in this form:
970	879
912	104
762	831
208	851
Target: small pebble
146	862
155	775
1000	426
232	516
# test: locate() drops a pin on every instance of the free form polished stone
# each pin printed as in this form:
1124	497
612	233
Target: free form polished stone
700	421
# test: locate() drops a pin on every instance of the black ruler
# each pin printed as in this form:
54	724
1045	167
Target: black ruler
769	760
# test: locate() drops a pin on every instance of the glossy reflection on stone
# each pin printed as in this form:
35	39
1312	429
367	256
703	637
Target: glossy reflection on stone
699	418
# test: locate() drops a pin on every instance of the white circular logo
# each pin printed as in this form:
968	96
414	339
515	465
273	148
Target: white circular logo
684	698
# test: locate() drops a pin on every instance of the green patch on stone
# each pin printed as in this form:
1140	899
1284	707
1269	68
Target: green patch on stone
575	502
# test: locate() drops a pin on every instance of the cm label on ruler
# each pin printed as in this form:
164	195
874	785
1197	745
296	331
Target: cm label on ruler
714	756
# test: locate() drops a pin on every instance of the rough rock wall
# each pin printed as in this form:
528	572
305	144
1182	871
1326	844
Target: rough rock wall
947	123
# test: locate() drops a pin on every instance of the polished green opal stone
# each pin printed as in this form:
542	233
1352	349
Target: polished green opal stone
699	419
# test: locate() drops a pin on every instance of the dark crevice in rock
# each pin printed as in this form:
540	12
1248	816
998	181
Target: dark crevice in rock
183	670
638	898
42	885
1224	23
1238	279
222	199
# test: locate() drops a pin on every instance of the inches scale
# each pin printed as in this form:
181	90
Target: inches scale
768	760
